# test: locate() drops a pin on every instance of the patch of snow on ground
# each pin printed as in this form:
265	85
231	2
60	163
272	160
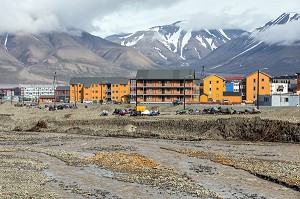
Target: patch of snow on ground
134	41
185	40
5	42
159	52
211	43
223	33
199	56
173	39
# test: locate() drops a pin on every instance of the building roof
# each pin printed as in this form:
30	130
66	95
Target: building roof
88	81
256	72
214	75
63	88
238	78
166	74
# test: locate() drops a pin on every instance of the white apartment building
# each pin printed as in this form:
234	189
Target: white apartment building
279	88
32	92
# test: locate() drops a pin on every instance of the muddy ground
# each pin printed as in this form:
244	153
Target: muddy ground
80	154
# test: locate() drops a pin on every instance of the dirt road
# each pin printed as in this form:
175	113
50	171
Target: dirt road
78	154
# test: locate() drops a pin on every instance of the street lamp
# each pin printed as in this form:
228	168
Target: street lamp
257	97
184	90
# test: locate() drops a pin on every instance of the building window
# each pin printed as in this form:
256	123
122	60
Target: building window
168	90
254	96
217	95
266	99
262	87
168	82
254	80
159	90
209	82
141	90
159	82
209	89
149	82
262	79
117	97
150	89
141	97
217	89
149	97
217	82
117	91
286	99
168	97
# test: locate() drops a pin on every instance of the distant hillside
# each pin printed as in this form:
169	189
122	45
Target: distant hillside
35	57
250	52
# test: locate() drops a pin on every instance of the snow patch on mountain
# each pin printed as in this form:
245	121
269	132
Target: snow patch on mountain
133	42
159	52
5	42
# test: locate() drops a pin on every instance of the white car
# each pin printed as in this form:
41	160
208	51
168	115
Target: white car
145	112
87	101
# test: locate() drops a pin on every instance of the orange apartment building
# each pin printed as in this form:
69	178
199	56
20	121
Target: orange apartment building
164	86
98	89
257	80
213	88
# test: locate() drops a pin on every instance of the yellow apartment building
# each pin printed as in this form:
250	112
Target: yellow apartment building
98	89
260	81
164	86
213	88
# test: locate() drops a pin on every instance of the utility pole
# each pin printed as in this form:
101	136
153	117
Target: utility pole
11	96
54	87
202	74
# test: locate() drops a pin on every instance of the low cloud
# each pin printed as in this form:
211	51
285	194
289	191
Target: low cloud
106	17
33	16
286	34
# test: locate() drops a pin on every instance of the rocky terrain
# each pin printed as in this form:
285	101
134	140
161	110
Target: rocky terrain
76	153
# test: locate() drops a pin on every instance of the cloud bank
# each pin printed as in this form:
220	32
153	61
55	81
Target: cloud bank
106	17
287	34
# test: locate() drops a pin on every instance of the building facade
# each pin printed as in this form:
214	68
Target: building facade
98	89
165	86
279	100
257	83
33	92
290	80
279	88
214	87
62	93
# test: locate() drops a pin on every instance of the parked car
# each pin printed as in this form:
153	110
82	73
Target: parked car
177	102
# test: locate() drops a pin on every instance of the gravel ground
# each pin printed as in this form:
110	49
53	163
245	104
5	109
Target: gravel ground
79	154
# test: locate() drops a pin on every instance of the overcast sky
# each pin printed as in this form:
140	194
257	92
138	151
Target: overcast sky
106	17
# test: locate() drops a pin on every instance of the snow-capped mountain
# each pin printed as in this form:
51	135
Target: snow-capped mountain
173	46
270	46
